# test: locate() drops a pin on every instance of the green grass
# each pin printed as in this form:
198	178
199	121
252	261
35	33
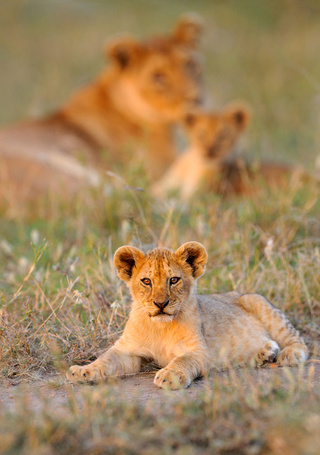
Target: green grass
60	299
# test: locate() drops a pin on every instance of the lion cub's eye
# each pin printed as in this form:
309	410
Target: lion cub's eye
174	280
146	281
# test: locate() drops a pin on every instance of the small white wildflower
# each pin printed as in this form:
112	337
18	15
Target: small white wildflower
35	236
72	266
6	247
23	264
268	249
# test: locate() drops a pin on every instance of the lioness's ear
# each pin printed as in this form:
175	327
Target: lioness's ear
123	50
239	114
194	254
125	258
189	30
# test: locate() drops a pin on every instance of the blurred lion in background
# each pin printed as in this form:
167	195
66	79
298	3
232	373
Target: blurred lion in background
212	161
131	107
213	135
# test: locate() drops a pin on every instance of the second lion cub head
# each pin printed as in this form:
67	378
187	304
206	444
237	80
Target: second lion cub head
162	281
214	134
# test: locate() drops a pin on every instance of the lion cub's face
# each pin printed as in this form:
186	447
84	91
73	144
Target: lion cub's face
160	76
161	281
214	134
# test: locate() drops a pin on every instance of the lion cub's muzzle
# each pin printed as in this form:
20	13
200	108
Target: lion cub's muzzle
161	306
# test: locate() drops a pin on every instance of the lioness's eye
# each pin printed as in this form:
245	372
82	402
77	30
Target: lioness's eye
146	281
174	280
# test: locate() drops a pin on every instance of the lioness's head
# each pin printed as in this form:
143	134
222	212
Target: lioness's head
162	280
160	78
214	134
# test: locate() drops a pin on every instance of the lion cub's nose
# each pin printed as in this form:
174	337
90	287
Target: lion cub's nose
161	305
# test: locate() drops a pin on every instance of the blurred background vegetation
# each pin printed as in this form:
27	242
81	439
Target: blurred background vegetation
264	52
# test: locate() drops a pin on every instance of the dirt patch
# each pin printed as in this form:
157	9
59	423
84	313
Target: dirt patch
57	392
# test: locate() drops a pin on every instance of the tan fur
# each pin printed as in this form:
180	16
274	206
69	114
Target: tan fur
133	105
185	333
212	136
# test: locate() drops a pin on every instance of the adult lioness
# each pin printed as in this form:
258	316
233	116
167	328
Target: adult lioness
185	333
132	105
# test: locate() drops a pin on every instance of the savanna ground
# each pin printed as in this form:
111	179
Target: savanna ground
61	301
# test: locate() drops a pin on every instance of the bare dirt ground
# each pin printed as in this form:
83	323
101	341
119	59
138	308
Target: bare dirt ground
57	392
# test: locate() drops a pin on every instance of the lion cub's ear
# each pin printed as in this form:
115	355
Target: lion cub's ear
189	30
194	254
239	114
123	50
125	258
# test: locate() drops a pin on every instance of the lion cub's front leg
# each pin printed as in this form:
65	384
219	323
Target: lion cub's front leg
181	371
112	363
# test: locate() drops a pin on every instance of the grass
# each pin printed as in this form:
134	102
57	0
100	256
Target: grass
63	288
60	299
220	421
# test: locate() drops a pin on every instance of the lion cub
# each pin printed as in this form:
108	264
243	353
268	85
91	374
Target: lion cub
185	333
212	137
210	163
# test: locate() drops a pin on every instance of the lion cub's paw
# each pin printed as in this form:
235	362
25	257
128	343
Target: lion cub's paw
84	374
292	355
269	353
170	379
